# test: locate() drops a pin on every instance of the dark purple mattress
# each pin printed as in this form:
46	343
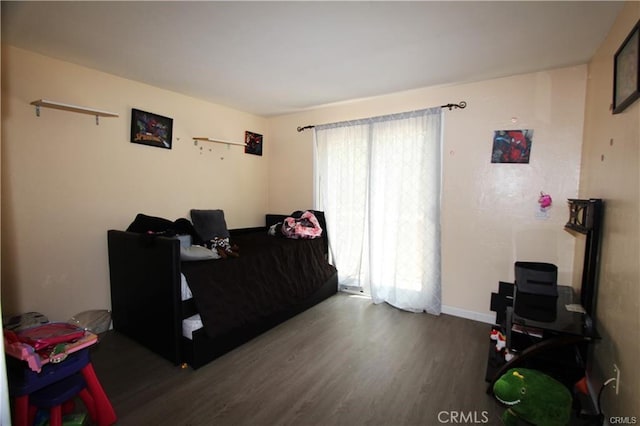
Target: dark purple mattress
271	274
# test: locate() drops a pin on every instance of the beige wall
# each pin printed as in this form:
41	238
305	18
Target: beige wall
488	210
66	181
610	171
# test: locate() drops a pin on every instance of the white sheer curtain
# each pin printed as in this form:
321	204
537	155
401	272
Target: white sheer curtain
378	182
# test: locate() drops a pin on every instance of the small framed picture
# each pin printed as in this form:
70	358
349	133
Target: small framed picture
151	129
252	143
626	71
512	146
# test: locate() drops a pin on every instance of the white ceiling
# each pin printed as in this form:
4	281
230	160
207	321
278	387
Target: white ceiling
271	58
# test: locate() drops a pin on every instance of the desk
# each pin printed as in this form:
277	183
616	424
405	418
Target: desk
24	380
566	322
569	329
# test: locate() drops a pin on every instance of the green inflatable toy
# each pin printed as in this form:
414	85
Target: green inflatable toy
534	397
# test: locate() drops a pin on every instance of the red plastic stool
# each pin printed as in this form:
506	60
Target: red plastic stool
53	397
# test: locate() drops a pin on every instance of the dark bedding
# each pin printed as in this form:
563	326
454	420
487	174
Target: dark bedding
271	274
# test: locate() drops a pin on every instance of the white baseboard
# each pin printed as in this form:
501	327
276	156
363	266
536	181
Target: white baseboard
463	313
448	310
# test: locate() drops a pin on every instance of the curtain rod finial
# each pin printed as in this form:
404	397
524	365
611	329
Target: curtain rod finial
302	129
460	105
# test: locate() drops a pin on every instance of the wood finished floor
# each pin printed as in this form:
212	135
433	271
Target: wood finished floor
342	362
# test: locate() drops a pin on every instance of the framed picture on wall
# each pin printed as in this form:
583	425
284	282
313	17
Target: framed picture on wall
151	129
252	143
626	71
512	146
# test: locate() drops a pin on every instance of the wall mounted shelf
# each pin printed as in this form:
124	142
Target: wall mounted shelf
218	141
583	214
73	108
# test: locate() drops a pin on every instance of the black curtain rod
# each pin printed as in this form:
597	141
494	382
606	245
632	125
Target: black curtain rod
461	105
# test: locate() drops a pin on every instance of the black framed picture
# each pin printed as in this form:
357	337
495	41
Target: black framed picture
626	71
151	129
252	143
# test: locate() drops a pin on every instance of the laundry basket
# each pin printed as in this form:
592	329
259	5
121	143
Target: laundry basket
96	321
